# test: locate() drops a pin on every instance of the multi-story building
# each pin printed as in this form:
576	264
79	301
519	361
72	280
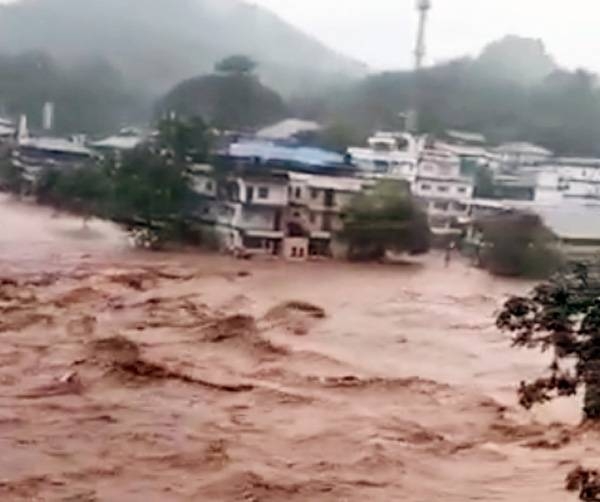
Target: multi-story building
514	155
388	155
316	208
442	189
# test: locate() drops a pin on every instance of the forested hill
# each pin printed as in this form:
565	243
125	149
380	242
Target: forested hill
513	91
157	43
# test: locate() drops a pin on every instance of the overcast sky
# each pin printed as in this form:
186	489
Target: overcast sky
381	32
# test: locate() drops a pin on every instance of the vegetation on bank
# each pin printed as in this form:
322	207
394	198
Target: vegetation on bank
518	245
563	316
386	218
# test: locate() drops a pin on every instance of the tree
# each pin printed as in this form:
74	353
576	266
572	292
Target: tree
150	196
238	64
11	176
185	139
562	315
518	244
385	218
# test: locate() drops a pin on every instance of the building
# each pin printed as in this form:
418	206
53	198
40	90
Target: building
127	139
316	208
248	211
388	155
443	190
577	229
288	130
514	155
35	155
567	180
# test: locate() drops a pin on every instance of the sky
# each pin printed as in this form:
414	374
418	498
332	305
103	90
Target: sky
381	32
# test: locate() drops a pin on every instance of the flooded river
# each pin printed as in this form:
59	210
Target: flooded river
134	377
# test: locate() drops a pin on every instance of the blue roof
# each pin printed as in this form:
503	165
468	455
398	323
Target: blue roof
268	151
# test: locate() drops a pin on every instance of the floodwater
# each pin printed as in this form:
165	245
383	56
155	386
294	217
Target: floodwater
127	376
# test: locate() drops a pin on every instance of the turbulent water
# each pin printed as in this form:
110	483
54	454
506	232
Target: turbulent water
134	377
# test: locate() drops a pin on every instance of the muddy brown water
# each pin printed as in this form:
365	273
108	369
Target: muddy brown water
126	376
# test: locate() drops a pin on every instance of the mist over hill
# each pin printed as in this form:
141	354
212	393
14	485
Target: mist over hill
157	43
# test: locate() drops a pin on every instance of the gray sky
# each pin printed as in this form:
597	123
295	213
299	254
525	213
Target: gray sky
381	32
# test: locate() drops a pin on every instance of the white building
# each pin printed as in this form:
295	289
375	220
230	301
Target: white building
517	154
444	191
566	180
317	204
388	155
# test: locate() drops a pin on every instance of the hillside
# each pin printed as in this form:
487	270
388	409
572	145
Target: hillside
157	43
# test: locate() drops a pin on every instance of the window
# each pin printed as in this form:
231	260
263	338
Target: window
441	206
425	187
458	206
290	191
297	214
209	186
314	193
263	193
442	188
313	217
462	190
250	194
298	192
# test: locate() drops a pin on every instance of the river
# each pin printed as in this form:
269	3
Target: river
129	376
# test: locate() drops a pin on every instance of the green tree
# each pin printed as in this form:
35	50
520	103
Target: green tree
385	218
151	196
237	64
562	315
185	139
11	176
518	244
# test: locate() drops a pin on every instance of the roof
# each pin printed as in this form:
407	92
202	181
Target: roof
577	223
57	145
470	137
523	148
287	129
6	122
118	142
6	130
463	150
269	151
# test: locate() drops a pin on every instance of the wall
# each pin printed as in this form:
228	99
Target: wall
277	192
295	248
429	188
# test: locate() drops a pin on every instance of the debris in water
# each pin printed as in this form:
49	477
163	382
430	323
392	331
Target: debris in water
586	481
69	383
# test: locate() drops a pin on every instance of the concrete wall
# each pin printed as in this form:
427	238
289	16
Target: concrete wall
295	249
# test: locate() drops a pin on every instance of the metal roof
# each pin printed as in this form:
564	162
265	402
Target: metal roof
57	145
287	129
302	155
523	148
576	223
471	137
118	142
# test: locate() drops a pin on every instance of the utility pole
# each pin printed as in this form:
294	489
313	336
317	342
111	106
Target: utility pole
423	7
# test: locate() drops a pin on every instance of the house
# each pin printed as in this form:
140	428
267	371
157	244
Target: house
513	155
316	207
288	130
567	180
577	229
246	209
388	155
35	155
127	139
442	189
7	130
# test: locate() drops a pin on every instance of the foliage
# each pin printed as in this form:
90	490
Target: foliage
232	101
518	244
84	190
150	196
562	315
11	176
385	218
237	64
185	139
191	34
